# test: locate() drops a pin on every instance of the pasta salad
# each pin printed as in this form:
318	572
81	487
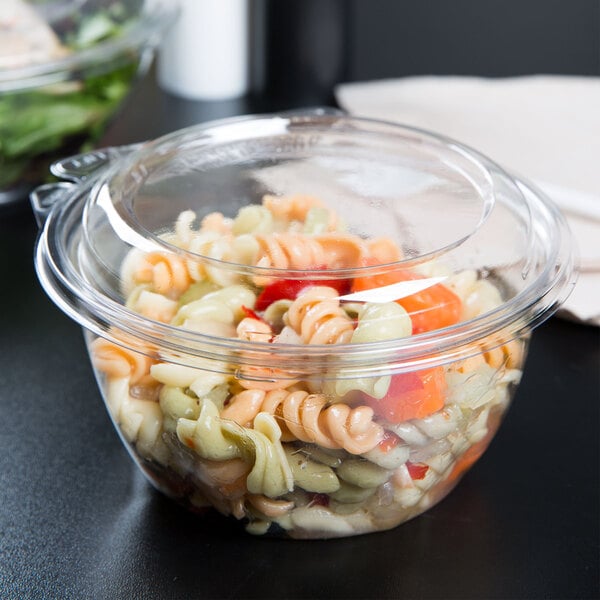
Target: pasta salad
323	456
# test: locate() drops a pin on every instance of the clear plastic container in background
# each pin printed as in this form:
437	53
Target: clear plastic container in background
65	69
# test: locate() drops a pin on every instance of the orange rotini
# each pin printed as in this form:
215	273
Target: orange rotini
505	356
308	417
291	208
299	251
217	222
117	361
383	251
258	378
254	330
167	273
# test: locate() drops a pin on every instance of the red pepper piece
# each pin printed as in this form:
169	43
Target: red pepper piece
417	470
389	441
290	289
251	314
411	396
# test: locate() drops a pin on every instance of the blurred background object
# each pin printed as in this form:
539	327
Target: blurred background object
305	49
65	68
205	55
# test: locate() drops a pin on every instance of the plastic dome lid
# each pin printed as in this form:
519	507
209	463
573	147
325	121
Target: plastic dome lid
449	209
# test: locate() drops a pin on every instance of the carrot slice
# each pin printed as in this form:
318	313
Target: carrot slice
411	396
433	308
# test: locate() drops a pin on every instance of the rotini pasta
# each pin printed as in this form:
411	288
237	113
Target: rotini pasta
152	305
253	219
214	438
317	317
166	273
269	507
306	417
310	475
216	313
216	222
140	421
119	362
331	453
299	251
387	321
292	208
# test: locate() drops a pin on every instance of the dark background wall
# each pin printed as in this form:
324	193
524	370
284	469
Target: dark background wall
303	47
474	37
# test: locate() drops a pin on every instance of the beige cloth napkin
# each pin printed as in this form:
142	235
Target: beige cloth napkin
546	128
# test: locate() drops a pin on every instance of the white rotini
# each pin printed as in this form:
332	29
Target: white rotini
391	458
483	386
183	228
200	380
337	388
268	506
478	295
216	313
253	218
317	317
376	322
237	250
140	421
151	304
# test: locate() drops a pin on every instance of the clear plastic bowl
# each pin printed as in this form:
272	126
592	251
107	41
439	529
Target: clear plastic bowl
311	322
65	68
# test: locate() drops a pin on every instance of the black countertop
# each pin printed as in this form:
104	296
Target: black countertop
77	520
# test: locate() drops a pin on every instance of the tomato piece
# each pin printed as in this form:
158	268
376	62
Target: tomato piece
281	289
251	314
417	470
411	396
433	308
290	289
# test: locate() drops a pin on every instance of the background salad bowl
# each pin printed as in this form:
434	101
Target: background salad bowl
65	68
313	323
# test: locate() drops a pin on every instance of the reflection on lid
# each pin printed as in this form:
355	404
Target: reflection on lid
120	227
390	293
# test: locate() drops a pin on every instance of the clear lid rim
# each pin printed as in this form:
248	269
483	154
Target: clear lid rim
525	310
